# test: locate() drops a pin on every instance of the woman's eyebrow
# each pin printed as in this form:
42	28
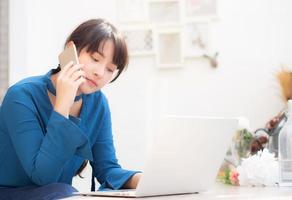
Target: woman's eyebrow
99	53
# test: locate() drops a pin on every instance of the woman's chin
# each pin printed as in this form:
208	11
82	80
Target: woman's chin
86	90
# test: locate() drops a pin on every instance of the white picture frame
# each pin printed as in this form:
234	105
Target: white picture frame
169	49
132	11
171	10
200	9
140	40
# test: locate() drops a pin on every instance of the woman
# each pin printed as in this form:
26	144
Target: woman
51	125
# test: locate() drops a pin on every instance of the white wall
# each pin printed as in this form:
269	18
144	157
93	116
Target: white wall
252	37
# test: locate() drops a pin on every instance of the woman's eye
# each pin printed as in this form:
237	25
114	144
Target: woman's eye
110	70
95	59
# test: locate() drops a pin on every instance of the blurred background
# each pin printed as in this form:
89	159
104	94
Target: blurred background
188	57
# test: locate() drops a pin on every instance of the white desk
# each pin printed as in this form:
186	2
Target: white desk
220	191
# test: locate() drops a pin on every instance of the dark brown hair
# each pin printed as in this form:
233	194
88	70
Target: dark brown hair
81	168
93	33
90	35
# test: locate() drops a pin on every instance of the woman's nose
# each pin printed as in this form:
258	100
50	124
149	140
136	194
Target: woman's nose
99	71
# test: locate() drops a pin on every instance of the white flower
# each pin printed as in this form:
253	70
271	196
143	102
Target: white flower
243	123
259	169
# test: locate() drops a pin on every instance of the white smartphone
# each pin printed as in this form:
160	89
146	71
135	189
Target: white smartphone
69	54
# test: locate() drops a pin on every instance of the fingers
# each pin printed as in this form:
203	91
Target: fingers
79	81
70	68
66	67
77	74
71	75
74	69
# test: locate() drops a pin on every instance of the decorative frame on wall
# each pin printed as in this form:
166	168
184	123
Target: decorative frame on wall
200	8
132	11
169	48
139	40
171	29
171	12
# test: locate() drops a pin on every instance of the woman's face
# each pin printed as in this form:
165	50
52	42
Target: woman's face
98	67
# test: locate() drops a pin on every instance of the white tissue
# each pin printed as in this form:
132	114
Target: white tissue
259	169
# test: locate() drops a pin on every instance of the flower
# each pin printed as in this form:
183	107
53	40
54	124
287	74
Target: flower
229	175
233	176
259	169
239	148
243	123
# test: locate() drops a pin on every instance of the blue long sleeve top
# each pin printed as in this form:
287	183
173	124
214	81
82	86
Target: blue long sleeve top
39	146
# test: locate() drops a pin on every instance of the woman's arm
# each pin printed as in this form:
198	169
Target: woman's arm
105	165
42	151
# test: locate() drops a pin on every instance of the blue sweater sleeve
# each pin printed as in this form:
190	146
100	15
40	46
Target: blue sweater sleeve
42	153
105	164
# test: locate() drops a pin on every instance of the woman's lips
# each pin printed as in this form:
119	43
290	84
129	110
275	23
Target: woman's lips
91	82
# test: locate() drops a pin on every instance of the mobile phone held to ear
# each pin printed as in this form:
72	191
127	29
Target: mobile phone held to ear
69	54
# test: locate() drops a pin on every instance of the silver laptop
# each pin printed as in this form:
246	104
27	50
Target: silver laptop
185	157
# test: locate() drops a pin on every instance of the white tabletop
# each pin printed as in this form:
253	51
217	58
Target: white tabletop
221	191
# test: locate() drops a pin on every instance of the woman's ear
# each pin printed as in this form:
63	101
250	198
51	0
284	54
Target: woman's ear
69	44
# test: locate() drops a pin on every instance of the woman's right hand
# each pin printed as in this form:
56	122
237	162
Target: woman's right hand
68	81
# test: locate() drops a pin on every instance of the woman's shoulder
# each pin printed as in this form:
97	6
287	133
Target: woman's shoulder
99	96
98	101
33	80
31	85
